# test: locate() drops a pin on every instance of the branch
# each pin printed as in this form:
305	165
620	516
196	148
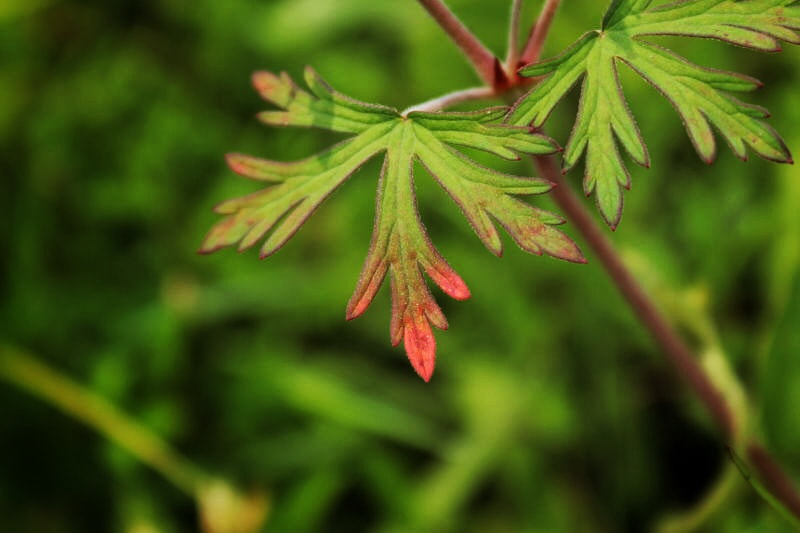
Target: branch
484	61
683	360
512	58
29	374
451	99
775	479
533	48
221	506
675	349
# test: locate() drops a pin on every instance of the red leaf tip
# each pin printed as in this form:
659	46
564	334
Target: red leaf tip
420	346
449	280
455	287
356	308
264	81
236	163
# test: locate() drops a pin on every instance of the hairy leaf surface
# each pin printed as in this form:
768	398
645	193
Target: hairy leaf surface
698	94
400	244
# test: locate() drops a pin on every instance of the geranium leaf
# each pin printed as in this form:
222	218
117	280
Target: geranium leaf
400	247
697	93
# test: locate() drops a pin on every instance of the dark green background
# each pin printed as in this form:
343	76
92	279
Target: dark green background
550	409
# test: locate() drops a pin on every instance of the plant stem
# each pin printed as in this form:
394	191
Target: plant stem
29	374
512	58
674	348
222	508
451	99
484	61
533	48
775	479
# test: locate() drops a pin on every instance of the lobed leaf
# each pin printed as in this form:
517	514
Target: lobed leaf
501	140
303	186
400	246
604	121
757	24
483	194
325	109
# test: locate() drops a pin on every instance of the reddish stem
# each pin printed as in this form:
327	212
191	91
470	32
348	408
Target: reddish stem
533	48
646	311
677	352
512	59
775	479
484	61
769	470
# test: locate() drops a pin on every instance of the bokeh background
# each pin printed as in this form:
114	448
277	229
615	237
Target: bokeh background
550	410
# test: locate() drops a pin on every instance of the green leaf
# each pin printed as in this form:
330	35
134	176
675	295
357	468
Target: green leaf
604	121
400	245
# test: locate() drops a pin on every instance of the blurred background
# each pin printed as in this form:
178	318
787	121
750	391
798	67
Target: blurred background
148	389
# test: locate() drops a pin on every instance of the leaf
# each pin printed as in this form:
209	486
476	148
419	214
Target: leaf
604	121
400	245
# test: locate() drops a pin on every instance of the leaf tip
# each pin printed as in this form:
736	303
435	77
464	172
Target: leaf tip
570	252
264	81
356	306
420	346
209	244
354	311
263	254
612	220
235	162
456	288
448	280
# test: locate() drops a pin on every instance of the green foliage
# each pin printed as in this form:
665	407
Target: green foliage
400	244
604	120
555	412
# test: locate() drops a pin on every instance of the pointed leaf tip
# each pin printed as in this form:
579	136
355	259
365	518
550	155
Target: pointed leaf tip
458	289
264	82
449	281
356	308
272	88
420	345
236	162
